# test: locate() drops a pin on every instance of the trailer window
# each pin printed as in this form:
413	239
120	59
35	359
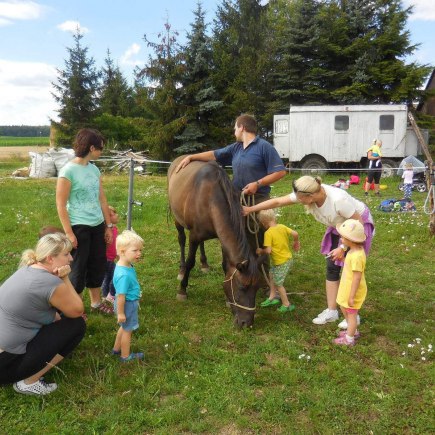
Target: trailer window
342	123
386	122
281	126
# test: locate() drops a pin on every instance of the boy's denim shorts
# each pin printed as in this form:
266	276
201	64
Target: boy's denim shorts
131	309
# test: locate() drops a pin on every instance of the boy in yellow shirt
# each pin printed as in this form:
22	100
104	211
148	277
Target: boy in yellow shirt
277	244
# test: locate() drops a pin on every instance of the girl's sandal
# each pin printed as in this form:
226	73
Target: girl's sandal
104	309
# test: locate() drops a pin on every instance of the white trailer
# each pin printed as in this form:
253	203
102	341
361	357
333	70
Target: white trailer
318	137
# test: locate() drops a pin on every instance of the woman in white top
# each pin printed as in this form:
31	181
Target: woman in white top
330	206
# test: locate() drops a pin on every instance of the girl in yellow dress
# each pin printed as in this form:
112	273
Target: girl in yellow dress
353	288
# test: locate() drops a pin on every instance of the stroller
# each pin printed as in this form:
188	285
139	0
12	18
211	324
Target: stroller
419	179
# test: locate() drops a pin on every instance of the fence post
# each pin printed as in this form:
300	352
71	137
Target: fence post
130	194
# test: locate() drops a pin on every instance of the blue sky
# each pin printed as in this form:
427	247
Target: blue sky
34	36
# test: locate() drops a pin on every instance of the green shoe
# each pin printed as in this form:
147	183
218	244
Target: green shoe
284	309
270	303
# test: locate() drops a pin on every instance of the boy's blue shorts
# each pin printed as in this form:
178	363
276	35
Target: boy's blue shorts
131	309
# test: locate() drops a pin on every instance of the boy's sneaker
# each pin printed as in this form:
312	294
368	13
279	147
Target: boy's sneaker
343	341
284	309
343	323
356	336
39	388
270	303
132	356
326	316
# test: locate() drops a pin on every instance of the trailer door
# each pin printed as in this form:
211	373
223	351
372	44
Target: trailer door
281	136
341	150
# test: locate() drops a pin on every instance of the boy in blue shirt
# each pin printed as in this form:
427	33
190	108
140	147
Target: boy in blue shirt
129	249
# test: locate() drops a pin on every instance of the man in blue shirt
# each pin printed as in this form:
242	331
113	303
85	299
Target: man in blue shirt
256	163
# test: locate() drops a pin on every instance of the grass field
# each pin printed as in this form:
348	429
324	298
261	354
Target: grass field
200	374
10	141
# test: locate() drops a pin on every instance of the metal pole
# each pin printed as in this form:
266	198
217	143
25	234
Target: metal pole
130	194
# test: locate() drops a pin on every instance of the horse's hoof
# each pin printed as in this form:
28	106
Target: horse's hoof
180	276
181	297
205	269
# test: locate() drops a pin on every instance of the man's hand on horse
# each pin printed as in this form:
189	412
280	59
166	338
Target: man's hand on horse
183	163
250	189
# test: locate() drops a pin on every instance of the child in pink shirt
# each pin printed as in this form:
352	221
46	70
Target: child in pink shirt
107	287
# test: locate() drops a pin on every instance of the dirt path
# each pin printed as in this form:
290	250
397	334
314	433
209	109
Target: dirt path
7	153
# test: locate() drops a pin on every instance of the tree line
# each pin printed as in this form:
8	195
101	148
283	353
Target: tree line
25	130
252	58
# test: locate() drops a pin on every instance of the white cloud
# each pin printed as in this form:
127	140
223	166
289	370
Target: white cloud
19	10
4	22
423	9
127	57
72	26
26	93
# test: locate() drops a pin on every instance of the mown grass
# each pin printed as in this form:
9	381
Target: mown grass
200	374
11	141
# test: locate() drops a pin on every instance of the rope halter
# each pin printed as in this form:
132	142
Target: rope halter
230	279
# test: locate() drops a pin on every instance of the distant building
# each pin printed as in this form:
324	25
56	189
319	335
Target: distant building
428	107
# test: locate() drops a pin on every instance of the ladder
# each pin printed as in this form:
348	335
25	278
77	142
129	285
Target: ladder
420	138
430	201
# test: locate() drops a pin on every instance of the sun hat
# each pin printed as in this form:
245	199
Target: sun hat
352	230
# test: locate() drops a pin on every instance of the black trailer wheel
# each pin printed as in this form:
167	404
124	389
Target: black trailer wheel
421	187
314	166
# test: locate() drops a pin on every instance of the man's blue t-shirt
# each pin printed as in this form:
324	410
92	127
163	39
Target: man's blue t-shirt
256	161
126	283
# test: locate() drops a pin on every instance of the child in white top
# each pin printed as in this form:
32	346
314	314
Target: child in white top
408	175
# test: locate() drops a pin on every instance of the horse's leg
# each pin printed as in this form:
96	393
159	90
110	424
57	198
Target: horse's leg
203	258
182	243
190	263
224	268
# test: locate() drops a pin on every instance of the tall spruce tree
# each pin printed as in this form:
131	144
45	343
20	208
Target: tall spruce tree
296	77
158	89
199	97
115	93
76	92
378	44
239	51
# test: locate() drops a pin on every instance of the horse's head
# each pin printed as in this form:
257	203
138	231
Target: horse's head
241	284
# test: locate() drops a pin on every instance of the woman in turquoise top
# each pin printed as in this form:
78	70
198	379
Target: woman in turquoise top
85	216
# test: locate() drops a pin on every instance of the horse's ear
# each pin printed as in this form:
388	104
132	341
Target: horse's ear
262	259
242	265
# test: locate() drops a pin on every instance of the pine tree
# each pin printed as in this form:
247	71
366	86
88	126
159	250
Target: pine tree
76	91
239	52
158	92
115	93
199	96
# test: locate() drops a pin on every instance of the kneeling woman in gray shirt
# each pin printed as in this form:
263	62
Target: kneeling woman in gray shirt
33	336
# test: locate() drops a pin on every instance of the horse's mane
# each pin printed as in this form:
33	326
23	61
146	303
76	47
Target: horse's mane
232	197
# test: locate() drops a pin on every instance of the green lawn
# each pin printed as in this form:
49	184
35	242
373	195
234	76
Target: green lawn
11	141
200	374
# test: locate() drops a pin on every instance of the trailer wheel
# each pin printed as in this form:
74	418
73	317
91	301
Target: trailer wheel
314	166
389	168
421	187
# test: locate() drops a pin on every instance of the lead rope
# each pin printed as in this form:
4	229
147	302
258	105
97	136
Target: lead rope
430	194
230	279
253	225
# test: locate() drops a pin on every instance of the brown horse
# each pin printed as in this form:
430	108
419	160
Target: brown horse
204	201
